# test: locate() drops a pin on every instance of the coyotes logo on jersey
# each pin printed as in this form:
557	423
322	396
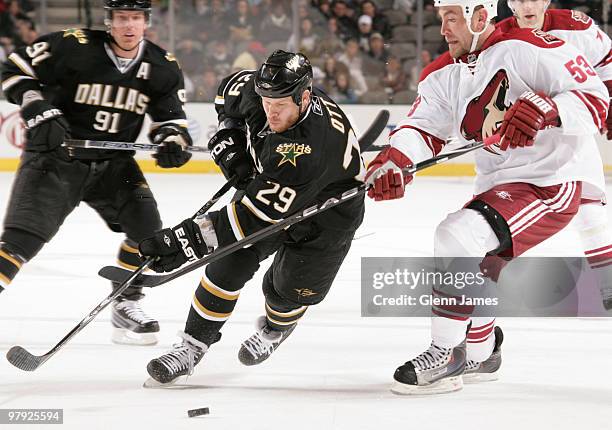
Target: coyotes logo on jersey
580	17
484	114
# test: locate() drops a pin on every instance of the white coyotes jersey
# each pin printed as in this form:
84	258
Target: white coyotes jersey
579	30
469	100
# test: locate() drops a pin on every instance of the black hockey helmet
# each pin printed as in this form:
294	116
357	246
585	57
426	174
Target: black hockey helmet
139	5
144	5
284	74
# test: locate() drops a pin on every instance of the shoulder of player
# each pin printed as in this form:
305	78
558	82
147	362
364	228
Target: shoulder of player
531	37
72	38
507	24
565	19
439	63
157	56
234	80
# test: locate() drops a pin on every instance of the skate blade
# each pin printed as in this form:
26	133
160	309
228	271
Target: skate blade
475	378
446	385
123	336
178	383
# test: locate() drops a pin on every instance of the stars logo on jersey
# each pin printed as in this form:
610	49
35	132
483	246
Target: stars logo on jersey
78	34
291	151
305	292
485	113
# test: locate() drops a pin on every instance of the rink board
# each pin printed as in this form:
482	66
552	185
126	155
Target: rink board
203	122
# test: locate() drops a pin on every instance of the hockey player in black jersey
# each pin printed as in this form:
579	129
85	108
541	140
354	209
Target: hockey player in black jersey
291	146
92	85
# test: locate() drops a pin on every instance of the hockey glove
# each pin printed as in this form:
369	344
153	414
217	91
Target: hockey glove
609	119
172	140
46	127
229	150
175	246
384	176
528	115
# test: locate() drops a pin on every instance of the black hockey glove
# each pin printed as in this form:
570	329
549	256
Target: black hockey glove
175	246
229	150
46	127
172	140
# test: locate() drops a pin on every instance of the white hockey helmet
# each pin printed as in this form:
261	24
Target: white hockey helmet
468	7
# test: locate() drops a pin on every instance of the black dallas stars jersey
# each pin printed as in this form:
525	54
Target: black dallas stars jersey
314	160
78	73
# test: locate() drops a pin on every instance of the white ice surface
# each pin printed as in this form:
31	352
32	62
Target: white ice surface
333	373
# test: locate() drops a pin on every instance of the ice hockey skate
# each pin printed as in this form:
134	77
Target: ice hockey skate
131	325
263	343
486	370
435	371
177	364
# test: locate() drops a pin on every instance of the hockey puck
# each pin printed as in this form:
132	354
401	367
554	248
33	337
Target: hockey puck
197	412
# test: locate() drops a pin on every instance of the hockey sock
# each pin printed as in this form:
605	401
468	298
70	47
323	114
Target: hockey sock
128	256
480	339
596	238
10	264
283	319
211	306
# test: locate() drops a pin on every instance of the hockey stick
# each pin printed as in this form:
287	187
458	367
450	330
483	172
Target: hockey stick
117	274
366	140
24	360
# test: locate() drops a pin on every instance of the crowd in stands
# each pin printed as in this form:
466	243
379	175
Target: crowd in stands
362	51
17	27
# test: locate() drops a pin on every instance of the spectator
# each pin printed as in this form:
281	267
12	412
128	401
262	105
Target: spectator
341	91
378	51
220	59
325	8
242	26
308	40
26	29
394	79
215	21
331	68
351	57
332	42
249	58
347	27
365	31
415	73
406	6
206	86
190	55
277	25
8	26
380	23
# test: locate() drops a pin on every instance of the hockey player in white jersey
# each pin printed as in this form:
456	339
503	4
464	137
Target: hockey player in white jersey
546	102
578	29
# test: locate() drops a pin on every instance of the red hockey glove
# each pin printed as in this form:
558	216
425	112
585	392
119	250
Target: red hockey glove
529	114
384	176
609	119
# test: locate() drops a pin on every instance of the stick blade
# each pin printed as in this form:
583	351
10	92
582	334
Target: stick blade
119	275
22	359
376	128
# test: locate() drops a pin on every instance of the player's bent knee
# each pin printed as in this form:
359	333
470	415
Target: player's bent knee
235	270
465	233
22	243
